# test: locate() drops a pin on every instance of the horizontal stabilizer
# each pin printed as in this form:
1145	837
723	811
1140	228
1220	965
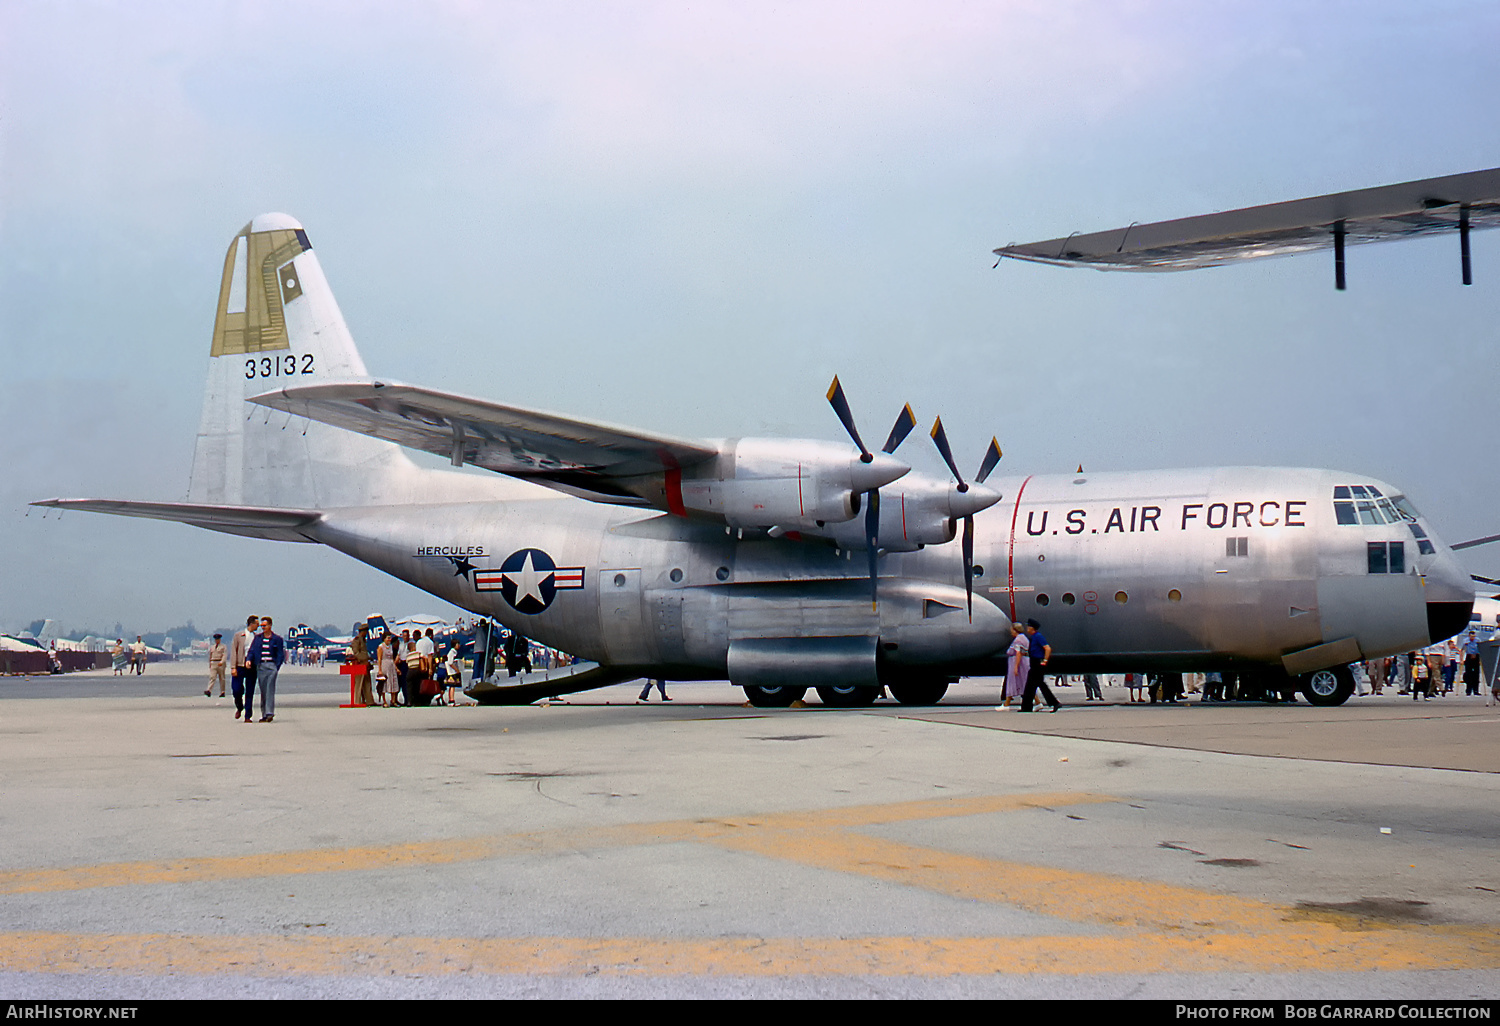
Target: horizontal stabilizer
250	521
1449	204
577	456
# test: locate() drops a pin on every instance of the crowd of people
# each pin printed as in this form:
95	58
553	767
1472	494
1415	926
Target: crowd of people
405	670
1433	672
409	669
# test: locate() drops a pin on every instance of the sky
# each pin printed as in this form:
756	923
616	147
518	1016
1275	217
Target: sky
689	217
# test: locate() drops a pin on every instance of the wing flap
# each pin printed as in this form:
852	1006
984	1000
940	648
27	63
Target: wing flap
266	522
578	456
1425	207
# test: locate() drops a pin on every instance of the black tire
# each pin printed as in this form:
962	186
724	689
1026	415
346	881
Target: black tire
853	696
1332	686
772	698
919	692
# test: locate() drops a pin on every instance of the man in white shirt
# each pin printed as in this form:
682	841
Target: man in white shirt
239	665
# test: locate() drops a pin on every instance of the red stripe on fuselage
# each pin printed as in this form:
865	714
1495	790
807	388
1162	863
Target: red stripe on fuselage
1011	560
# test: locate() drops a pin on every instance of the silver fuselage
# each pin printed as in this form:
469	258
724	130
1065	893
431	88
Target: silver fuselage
1193	569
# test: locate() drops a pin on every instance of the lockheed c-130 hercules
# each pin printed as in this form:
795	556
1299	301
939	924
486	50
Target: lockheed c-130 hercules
782	564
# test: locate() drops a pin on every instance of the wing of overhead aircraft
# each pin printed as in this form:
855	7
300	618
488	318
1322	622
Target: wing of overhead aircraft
580	457
1454	203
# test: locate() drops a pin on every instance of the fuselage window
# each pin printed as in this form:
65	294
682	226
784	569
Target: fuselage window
1386	557
1068	599
1344	513
1042	599
1236	546
1174	595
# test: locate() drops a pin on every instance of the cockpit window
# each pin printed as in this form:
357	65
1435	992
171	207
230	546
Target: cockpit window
1364	504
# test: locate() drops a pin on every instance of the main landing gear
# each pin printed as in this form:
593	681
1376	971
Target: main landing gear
852	696
773	698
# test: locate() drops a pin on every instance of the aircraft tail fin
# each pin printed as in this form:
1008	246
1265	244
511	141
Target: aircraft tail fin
277	323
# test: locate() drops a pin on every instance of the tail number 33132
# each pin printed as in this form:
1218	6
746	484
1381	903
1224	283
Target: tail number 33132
287	366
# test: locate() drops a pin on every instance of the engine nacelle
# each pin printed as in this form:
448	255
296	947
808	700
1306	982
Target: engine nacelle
795	484
916	512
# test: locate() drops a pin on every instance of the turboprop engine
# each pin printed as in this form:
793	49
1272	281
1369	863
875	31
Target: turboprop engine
917	512
793	484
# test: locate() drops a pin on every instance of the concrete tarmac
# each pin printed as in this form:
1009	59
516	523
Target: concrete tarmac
154	847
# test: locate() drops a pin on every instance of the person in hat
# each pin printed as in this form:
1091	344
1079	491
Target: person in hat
218	666
359	654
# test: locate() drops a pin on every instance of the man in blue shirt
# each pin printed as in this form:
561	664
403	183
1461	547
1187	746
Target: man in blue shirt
267	653
1471	665
1041	653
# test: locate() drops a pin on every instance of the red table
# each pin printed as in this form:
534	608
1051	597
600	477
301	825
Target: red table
354	670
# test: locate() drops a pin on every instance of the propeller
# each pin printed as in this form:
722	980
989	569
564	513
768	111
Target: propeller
979	501
905	421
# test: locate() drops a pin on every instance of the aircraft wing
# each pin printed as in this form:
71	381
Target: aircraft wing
1454	204
580	457
250	521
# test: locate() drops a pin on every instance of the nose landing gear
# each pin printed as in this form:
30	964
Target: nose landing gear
1332	686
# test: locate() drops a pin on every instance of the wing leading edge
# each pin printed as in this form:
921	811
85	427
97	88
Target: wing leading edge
1454	203
579	457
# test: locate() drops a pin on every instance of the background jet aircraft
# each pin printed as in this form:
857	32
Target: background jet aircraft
782	564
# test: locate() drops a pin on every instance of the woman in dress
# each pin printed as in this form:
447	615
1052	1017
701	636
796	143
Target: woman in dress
1017	664
455	676
385	663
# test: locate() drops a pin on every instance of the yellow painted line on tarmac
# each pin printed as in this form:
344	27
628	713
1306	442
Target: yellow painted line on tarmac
1147	926
269	956
395	856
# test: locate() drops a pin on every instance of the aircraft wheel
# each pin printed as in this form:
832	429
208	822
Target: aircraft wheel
1332	686
772	698
848	697
921	692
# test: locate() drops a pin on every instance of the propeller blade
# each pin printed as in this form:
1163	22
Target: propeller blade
969	563
841	407
872	535
940	437
991	458
904	423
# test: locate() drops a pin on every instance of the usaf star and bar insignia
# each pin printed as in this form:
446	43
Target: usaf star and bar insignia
529	580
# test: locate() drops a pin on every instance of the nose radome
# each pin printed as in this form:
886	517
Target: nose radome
1450	596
